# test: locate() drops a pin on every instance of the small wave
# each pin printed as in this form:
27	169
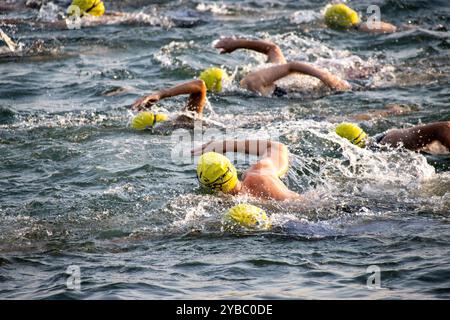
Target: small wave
215	8
168	54
227	9
118	74
65	120
6	116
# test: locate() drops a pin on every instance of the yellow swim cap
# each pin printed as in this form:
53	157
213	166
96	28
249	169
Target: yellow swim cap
216	172
146	120
339	16
247	216
352	133
93	7
214	78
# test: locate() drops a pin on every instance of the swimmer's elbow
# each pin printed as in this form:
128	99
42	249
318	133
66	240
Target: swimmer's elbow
200	85
275	54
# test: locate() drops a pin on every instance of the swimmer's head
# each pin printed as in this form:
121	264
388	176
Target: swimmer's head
246	216
93	7
216	172
214	78
352	133
146	120
339	16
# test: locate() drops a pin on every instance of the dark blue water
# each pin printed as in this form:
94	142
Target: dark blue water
79	188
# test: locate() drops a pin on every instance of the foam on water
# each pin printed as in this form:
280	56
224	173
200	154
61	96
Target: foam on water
167	54
65	120
305	16
152	18
215	8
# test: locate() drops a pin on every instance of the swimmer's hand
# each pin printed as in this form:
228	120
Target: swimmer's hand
203	149
145	102
341	85
226	45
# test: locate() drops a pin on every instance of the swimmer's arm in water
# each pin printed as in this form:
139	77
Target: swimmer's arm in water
392	110
273	52
418	137
196	89
377	27
262	81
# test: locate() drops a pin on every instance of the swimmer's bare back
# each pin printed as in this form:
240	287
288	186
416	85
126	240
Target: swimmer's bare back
376	27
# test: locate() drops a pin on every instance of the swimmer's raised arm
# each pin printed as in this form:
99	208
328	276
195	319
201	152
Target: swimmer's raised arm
274	155
196	89
273	52
341	17
262	81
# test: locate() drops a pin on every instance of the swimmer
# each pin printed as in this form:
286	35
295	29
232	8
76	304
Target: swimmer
263	81
341	17
433	138
80	13
196	89
262	180
88	9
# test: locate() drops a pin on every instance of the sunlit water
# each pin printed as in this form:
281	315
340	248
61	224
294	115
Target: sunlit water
78	187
